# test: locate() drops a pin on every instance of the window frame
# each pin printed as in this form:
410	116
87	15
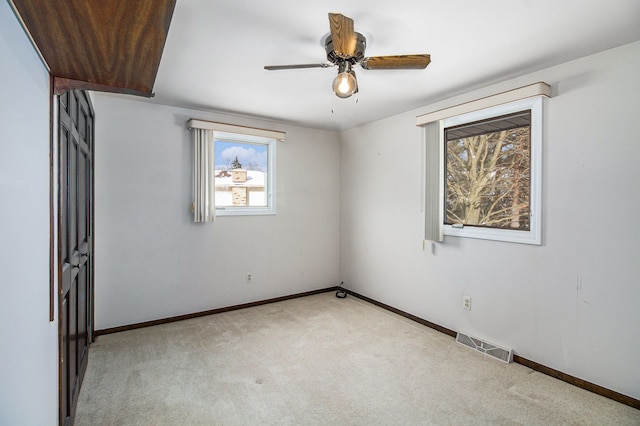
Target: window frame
534	234
270	181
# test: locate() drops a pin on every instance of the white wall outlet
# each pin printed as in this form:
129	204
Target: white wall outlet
466	302
249	277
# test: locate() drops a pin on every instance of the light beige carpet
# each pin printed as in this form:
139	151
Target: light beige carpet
319	360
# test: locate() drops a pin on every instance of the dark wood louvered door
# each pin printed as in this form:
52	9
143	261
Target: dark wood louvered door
75	260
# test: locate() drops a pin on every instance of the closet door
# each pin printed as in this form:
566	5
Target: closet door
75	137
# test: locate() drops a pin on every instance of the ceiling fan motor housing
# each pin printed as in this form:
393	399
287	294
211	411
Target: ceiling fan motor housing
358	56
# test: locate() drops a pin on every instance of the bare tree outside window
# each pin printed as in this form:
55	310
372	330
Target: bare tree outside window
488	173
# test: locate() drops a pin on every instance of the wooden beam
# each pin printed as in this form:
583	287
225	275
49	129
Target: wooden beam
111	45
61	85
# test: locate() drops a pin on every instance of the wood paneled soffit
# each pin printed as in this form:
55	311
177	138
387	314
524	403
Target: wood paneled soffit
103	45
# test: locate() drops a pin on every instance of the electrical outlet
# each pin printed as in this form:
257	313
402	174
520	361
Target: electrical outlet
249	277
466	302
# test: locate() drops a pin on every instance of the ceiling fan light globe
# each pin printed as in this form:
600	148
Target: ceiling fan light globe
344	85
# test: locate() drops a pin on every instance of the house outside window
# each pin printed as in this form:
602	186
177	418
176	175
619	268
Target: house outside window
244	174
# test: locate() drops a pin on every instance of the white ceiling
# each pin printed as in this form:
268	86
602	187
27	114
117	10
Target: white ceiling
216	49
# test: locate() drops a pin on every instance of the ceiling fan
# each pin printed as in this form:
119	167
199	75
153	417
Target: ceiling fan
345	49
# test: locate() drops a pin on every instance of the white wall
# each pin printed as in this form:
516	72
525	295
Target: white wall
152	261
28	358
572	303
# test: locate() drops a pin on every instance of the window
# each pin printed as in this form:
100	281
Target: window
234	170
488	171
482	167
244	174
491	186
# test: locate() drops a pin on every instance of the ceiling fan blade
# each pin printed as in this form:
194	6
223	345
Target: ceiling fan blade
294	67
399	62
342	35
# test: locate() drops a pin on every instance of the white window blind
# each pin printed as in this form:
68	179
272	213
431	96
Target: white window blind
433	197
203	176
